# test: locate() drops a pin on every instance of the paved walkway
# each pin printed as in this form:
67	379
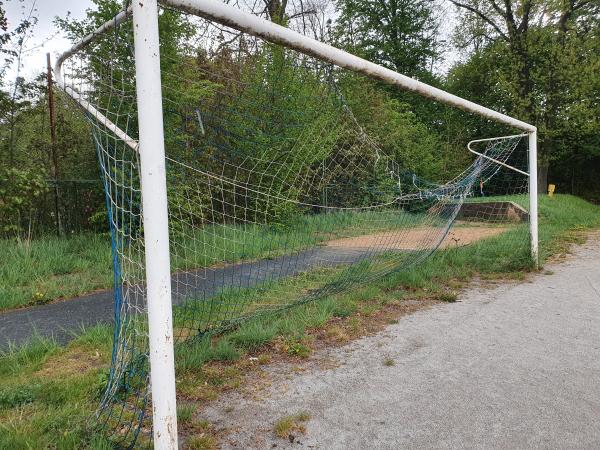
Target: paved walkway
516	366
63	320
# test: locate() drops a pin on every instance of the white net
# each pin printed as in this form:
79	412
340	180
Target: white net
277	195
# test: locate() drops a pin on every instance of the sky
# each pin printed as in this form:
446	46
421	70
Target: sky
45	38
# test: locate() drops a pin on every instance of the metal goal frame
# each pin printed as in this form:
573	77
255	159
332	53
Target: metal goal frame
152	159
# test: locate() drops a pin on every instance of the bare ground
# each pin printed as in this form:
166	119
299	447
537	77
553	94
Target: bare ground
512	366
418	238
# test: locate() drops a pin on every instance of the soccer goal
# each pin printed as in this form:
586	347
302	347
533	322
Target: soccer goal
241	181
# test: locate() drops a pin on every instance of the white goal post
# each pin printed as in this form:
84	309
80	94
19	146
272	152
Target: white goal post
152	160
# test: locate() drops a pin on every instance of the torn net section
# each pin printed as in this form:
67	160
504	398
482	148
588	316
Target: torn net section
277	195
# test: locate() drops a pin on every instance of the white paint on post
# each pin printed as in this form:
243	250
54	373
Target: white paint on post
156	223
533	197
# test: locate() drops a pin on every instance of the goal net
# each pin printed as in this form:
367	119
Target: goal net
278	195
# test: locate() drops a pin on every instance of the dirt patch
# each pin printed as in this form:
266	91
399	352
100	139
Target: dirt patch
71	363
418	238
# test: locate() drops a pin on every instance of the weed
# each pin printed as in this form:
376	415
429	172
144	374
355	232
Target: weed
298	349
17	396
194	354
253	335
288	424
264	358
344	308
354	325
29	356
389	362
448	297
48	268
185	413
337	333
202	441
44	405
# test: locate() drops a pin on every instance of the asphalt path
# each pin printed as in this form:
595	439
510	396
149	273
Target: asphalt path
65	319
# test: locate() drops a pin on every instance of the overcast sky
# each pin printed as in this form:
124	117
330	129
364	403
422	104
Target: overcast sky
44	37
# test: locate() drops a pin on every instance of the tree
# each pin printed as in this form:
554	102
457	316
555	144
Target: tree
399	34
537	61
511	21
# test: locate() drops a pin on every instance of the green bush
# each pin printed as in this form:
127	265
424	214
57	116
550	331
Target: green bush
18	191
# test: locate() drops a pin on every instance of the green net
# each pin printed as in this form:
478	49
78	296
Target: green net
277	195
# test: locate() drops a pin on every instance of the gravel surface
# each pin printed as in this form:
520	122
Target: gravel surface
511	366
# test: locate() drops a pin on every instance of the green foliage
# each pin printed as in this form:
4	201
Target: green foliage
19	189
399	131
253	335
399	34
544	71
44	269
17	396
50	410
298	349
185	413
27	169
40	270
30	356
193	355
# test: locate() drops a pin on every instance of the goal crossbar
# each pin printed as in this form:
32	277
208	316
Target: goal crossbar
230	16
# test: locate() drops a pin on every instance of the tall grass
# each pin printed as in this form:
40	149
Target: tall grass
37	271
41	270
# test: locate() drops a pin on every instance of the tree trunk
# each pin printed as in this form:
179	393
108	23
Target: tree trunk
543	177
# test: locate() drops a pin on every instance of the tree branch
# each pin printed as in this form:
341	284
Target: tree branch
510	17
307	12
497	8
482	16
524	25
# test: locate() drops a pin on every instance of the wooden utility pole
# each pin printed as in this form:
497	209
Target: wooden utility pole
53	155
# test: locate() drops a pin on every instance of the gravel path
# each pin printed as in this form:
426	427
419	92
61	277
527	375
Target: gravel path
514	366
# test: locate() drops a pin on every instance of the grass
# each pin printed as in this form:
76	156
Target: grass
39	271
287	425
185	413
49	392
42	270
202	442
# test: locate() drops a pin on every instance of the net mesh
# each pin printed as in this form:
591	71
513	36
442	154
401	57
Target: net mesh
277	196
